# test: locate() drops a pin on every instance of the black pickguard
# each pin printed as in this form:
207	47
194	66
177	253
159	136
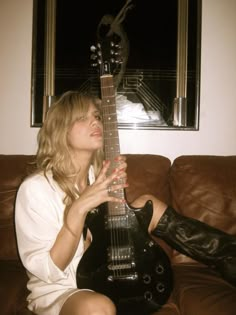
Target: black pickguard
139	285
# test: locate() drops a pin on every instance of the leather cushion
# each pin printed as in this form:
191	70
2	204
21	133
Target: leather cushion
204	188
13	168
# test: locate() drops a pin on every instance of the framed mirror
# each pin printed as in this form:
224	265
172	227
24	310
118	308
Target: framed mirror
158	82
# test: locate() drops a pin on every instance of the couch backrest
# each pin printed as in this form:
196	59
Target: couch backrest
13	169
148	174
204	187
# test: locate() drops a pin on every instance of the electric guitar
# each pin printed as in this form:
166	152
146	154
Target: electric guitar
122	262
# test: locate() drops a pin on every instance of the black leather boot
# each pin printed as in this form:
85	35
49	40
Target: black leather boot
199	241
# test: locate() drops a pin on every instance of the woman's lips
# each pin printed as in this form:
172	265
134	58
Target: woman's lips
97	133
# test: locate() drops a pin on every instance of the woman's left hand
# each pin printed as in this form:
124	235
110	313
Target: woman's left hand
111	179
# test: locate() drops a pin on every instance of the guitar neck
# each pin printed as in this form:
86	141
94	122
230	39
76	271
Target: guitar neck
110	123
111	136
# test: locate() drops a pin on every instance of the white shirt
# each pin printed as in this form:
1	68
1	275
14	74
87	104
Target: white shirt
39	217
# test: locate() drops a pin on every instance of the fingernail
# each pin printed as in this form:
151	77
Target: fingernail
122	169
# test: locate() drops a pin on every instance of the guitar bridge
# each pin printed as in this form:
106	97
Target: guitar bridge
123	277
122	270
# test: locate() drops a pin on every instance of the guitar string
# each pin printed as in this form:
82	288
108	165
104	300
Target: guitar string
114	230
119	233
111	223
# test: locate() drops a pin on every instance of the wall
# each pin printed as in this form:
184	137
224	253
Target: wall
218	92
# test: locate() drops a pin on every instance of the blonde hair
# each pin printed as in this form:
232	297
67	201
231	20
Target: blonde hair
53	149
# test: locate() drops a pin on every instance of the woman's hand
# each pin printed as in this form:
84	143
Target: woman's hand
111	178
105	186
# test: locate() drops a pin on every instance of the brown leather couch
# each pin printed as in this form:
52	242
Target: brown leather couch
203	187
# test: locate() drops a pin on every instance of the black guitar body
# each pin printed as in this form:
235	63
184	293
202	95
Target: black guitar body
136	274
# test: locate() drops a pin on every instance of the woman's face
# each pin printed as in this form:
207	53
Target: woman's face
86	134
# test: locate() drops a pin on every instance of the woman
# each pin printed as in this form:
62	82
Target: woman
70	181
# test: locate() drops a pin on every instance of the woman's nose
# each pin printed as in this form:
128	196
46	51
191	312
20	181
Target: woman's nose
94	121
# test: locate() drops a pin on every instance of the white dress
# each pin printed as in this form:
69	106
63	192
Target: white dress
38	218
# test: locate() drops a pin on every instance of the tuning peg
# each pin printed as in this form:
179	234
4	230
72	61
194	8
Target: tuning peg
93	48
119	62
93	57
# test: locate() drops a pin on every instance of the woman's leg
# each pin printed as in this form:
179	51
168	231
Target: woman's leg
199	241
89	303
194	238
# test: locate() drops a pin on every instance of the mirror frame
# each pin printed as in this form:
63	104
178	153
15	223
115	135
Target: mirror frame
44	32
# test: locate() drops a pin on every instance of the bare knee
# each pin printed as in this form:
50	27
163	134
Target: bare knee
89	303
159	208
141	200
158	205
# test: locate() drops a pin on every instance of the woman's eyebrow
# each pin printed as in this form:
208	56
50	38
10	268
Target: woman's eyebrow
96	111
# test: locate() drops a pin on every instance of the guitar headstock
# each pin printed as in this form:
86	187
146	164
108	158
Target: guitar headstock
106	55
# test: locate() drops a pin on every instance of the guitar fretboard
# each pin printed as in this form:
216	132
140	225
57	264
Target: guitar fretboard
111	136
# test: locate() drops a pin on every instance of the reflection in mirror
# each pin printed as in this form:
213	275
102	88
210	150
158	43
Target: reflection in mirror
158	80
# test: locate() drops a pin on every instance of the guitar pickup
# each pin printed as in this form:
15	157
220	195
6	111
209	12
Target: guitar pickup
123	266
120	253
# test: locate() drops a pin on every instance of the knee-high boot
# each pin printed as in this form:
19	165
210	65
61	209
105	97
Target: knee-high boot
200	242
